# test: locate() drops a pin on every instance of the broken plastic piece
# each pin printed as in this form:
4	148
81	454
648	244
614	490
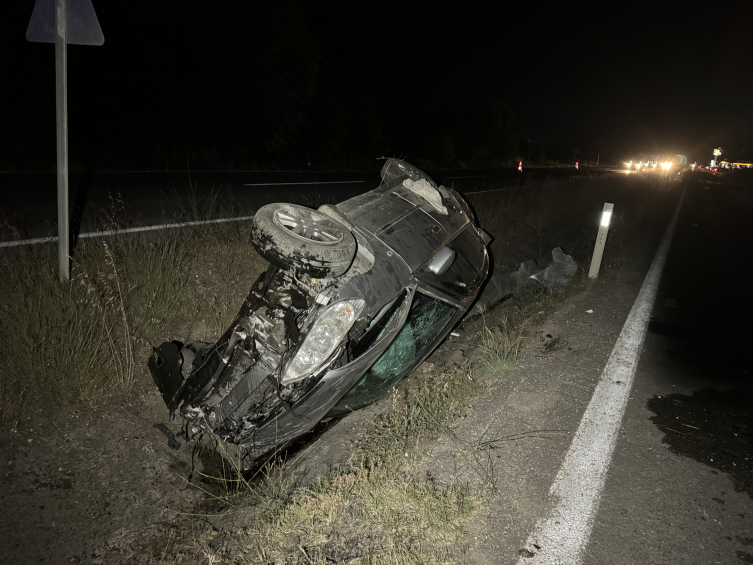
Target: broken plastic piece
485	237
423	189
589	311
171	441
559	273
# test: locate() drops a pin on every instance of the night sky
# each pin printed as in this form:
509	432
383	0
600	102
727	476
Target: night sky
336	84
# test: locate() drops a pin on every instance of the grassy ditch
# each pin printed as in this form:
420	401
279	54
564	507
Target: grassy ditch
88	339
378	508
381	506
73	342
79	341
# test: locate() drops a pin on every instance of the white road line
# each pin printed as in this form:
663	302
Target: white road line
495	189
562	537
127	230
297	183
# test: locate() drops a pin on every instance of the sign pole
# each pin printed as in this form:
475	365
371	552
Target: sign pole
61	108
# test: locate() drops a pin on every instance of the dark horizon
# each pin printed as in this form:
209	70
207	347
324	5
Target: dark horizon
342	84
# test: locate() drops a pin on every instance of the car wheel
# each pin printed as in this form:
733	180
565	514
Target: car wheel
302	239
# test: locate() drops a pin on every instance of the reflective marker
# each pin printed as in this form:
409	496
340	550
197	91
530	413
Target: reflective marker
606	215
601	240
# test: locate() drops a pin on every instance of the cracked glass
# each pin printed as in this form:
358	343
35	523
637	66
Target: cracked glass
427	319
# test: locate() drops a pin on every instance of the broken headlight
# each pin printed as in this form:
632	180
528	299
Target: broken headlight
326	334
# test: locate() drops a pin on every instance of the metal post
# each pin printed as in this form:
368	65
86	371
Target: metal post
61	107
601	240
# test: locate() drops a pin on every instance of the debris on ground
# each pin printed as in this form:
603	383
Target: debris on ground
559	273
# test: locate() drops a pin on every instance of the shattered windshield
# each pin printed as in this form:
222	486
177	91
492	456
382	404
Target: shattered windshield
427	319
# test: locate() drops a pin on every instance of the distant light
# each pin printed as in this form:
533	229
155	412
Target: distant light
606	215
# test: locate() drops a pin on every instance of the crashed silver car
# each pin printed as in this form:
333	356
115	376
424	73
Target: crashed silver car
356	296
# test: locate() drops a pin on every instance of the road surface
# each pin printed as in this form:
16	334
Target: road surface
28	201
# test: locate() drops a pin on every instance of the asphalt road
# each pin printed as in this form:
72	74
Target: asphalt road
28	201
680	487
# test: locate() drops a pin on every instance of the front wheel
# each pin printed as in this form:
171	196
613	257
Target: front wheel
299	238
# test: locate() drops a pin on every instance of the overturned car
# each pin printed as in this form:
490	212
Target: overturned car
356	296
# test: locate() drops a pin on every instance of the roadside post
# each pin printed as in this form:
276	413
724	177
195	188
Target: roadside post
62	22
601	239
520	167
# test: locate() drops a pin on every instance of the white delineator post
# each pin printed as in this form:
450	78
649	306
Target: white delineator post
601	240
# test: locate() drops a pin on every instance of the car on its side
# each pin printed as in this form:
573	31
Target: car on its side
356	296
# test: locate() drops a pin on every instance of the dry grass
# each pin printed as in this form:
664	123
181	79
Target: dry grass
78	341
501	345
373	510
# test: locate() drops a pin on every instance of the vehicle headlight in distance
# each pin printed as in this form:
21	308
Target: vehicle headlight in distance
323	338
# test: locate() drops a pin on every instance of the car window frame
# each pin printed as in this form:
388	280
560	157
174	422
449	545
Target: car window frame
428	290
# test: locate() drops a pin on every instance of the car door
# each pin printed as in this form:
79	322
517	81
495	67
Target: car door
432	315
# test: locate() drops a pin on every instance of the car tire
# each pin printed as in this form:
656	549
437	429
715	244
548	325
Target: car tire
304	240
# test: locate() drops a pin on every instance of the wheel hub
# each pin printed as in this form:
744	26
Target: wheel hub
308	225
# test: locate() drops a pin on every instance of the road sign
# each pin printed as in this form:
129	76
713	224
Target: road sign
82	25
62	22
718	151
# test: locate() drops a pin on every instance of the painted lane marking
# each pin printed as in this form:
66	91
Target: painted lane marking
127	230
495	189
299	183
562	537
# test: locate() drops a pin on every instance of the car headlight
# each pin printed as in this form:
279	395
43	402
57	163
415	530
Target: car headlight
323	338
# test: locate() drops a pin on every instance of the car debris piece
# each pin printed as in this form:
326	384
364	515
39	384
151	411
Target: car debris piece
427	192
356	296
559	273
171	441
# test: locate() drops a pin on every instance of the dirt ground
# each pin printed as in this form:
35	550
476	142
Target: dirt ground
100	485
104	487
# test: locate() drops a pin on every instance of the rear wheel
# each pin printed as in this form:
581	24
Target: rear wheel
302	239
